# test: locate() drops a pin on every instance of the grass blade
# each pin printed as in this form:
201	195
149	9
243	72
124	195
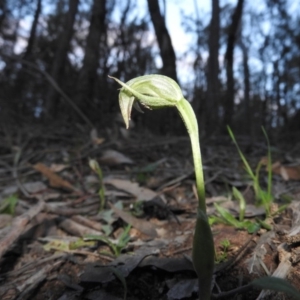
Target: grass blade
245	162
242	203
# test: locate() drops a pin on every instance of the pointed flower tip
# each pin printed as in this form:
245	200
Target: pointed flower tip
127	122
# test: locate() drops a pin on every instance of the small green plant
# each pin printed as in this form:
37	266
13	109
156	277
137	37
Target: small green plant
137	209
263	197
144	173
158	91
8	205
96	168
222	255
228	218
115	246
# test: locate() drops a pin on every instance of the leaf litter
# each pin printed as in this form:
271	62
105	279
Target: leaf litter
149	185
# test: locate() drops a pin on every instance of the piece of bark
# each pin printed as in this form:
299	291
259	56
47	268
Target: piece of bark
18	227
76	229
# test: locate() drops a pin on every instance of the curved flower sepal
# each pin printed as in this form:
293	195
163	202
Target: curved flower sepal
152	91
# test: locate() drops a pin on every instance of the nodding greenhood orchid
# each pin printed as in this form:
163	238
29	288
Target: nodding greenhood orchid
158	91
153	91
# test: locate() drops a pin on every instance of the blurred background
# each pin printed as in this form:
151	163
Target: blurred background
238	62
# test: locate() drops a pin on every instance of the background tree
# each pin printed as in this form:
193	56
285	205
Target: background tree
88	72
76	45
213	90
60	57
247	105
167	52
33	30
229	56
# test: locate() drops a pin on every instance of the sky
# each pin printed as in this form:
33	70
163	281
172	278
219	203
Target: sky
174	17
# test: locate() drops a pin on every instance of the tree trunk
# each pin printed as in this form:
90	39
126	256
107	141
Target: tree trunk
213	94
3	11
22	77
233	30
163	121
248	126
167	52
32	36
88	72
57	70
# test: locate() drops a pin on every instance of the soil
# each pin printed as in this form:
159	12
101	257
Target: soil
148	182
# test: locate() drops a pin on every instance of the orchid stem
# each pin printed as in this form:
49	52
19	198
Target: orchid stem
203	244
188	116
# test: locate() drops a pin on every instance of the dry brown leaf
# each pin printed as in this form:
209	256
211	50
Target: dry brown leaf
286	172
54	180
140	224
112	157
57	167
141	193
94	137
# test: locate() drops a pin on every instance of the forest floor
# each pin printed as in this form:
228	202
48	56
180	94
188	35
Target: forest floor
59	240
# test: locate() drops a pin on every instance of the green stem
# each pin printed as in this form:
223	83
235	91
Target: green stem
203	243
188	116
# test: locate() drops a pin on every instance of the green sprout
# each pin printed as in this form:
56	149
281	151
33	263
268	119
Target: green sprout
115	246
8	205
242	202
222	255
263	197
229	219
96	168
158	91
